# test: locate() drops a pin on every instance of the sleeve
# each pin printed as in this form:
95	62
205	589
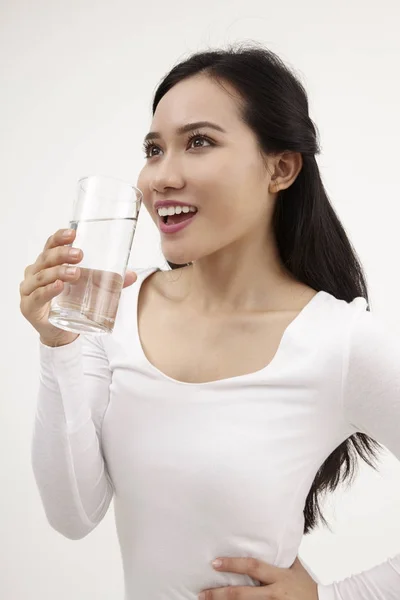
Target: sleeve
66	454
371	404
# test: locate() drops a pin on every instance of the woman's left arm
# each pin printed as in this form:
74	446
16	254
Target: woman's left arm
371	404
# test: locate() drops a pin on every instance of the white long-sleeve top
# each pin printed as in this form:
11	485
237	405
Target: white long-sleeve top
222	468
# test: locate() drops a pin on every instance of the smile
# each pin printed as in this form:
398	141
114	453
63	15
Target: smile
174	223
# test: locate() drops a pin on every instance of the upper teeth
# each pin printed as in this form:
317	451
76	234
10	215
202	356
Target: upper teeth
175	210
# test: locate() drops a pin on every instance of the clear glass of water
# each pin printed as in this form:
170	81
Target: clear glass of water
104	216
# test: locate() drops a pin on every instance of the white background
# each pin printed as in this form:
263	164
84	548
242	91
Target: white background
76	84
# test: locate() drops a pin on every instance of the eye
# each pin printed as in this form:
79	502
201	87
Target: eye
149	146
199	137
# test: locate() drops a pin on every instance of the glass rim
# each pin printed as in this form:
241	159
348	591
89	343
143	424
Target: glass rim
116	179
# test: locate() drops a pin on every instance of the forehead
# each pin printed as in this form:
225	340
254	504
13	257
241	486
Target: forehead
198	98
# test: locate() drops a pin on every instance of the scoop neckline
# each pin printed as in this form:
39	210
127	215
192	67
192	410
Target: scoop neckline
227	380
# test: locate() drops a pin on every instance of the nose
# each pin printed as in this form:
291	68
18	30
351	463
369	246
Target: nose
166	175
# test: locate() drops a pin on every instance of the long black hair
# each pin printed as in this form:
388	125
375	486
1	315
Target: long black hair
311	241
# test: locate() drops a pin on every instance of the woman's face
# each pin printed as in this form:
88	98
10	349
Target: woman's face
219	171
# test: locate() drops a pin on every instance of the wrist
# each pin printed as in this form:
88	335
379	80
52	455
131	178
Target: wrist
55	343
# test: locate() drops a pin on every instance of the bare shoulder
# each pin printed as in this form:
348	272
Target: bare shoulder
302	296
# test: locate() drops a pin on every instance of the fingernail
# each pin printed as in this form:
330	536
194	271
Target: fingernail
68	233
217	563
202	596
74	252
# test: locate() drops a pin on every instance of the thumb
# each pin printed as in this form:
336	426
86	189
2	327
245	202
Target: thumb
130	278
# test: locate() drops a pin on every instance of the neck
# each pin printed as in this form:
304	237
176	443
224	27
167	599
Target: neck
232	281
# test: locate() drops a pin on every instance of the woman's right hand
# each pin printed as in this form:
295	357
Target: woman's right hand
43	280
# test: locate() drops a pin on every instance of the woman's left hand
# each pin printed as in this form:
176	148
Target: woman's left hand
294	583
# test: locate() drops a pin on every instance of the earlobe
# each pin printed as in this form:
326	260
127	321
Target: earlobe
275	184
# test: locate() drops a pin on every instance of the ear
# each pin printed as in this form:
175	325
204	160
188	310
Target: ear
287	167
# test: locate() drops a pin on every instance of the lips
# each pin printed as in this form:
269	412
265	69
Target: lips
169	228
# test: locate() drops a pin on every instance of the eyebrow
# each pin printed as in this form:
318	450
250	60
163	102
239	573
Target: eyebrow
185	128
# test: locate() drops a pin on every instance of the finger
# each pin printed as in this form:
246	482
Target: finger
130	278
41	296
59	238
47	276
237	593
257	569
62	237
56	256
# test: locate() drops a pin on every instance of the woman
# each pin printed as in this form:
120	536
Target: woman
237	389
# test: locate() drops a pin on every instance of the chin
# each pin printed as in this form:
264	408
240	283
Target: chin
185	251
179	257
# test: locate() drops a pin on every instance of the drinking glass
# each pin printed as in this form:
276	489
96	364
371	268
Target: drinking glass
104	216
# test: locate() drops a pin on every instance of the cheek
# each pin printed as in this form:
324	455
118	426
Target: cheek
236	177
244	191
234	202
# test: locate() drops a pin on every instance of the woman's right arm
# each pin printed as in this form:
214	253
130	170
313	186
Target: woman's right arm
67	459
